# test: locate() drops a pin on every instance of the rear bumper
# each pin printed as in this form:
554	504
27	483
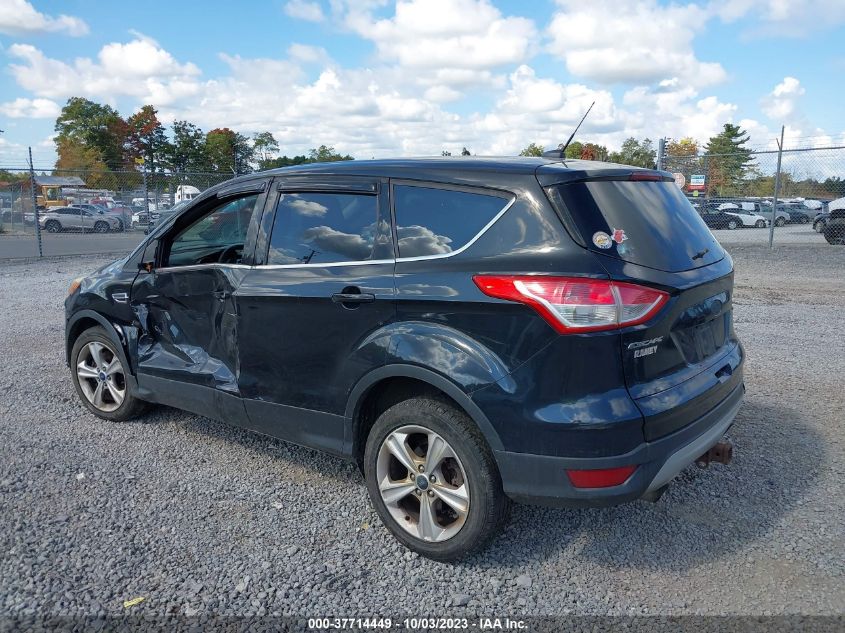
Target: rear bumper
542	479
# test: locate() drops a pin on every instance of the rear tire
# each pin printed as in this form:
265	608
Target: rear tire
818	226
732	224
52	226
99	377
760	224
419	430
101	227
780	222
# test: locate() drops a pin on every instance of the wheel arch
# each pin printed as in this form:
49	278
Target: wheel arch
85	320
387	385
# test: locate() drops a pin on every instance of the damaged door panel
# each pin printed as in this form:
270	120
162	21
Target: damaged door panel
185	310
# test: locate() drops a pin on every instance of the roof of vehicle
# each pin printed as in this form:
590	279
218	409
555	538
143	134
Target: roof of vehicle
452	167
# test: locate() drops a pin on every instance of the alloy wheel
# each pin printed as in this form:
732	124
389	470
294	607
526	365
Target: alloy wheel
101	376
422	483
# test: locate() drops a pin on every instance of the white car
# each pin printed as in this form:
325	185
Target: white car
748	219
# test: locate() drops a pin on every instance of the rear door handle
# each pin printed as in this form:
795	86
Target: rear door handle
353	297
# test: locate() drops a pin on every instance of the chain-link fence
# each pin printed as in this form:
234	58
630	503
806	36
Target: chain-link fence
111	209
737	191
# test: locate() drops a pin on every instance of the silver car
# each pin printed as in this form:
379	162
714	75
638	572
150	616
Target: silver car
60	219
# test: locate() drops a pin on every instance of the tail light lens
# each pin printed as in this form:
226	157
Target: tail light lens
577	304
601	478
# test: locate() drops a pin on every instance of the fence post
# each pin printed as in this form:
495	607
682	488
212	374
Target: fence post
661	153
34	205
777	190
146	199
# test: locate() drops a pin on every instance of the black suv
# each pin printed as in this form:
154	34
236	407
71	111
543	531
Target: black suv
468	330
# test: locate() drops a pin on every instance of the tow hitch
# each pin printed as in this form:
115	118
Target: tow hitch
720	453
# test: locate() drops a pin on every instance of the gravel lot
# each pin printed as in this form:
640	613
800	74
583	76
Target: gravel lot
198	517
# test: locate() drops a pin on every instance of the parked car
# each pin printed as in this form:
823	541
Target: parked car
746	218
468	331
715	218
820	222
834	230
158	217
781	217
59	219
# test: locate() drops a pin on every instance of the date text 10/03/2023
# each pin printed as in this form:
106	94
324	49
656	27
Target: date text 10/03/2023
414	624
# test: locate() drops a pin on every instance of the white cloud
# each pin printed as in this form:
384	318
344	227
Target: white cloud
140	69
781	104
308	54
782	18
446	35
22	108
304	10
19	17
636	43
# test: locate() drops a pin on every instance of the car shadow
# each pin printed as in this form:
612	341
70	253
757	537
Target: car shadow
705	514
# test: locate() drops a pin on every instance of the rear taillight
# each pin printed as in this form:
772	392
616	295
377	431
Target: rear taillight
577	304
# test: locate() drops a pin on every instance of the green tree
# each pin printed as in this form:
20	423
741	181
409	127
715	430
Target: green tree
465	152
575	149
147	139
97	128
637	153
445	153
728	160
532	150
187	151
265	145
284	161
324	154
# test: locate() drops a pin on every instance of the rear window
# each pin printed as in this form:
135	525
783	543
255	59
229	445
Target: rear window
432	221
649	223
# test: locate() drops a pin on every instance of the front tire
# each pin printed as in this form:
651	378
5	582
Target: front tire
732	225
818	226
760	224
101	227
53	227
780	222
433	480
100	377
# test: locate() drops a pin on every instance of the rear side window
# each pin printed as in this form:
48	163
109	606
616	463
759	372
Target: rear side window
323	228
649	223
433	221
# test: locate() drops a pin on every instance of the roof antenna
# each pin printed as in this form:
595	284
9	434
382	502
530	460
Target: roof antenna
562	148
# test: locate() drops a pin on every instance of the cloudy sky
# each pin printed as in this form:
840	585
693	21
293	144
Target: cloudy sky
414	77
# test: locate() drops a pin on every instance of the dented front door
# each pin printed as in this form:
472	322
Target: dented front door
188	325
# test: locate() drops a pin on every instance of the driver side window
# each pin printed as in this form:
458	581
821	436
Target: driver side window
215	237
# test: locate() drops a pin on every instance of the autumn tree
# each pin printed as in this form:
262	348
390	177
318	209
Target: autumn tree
90	133
147	139
532	150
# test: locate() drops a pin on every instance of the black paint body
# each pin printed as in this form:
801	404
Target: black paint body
267	348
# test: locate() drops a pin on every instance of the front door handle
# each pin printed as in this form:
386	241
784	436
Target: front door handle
353	297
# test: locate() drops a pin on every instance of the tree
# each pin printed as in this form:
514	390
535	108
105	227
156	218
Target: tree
445	153
592	151
146	139
686	147
324	154
95	127
284	161
187	151
637	153
532	150
465	152
575	149
227	150
728	160
265	145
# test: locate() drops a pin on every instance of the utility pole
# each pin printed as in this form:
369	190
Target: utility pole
777	190
35	205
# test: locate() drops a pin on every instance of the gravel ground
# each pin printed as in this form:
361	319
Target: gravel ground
195	516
